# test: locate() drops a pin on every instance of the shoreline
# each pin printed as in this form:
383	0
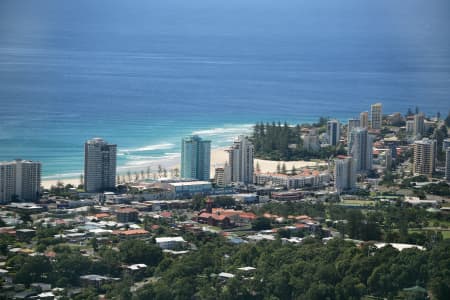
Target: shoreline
218	158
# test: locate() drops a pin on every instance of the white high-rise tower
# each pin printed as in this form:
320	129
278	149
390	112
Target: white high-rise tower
240	159
20	180
360	148
99	165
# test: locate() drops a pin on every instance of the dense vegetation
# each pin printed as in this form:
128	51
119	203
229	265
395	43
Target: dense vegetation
336	270
278	141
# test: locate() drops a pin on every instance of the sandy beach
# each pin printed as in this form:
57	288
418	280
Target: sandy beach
218	158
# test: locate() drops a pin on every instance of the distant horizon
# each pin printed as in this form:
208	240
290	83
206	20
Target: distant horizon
144	74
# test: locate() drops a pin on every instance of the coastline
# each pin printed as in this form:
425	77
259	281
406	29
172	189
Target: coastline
218	158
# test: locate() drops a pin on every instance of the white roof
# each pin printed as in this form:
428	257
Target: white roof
100	231
189	183
399	246
137	266
247	269
46	294
169	239
226	275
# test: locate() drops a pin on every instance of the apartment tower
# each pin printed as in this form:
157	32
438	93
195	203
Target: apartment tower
99	166
424	157
376	115
195	158
20	180
240	159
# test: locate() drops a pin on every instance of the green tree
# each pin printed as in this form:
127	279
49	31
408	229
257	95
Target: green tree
34	269
261	223
138	251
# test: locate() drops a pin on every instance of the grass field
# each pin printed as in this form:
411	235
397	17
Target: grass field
358	202
445	233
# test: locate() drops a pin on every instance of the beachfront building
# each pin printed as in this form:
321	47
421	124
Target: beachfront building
360	148
99	165
333	132
311	141
364	119
20	180
419	125
344	174
195	158
424	157
222	176
305	178
376	115
240	159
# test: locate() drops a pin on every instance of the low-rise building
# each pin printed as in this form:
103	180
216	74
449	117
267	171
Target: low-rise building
306	178
170	242
126	215
286	196
188	188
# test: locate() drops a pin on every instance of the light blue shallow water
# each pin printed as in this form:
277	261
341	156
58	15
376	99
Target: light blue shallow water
143	74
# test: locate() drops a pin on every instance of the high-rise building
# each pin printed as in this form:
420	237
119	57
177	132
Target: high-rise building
222	176
99	165
410	127
344	174
424	157
333	132
360	148
447	163
240	159
419	125
352	123
20	180
376	115
445	144
311	142
364	119
195	158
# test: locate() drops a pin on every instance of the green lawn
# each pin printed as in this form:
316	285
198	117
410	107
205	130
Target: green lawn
358	202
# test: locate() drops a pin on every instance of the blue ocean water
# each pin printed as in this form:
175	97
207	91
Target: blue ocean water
143	74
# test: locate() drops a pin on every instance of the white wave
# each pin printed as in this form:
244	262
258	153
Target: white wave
149	148
235	130
62	176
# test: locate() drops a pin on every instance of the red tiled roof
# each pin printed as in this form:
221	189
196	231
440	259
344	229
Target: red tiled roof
301	226
166	214
130	232
126	210
102	215
50	254
213	216
246	215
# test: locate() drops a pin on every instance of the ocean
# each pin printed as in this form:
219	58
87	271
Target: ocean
143	74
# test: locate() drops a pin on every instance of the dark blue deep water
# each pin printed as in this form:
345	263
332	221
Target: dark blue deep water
144	73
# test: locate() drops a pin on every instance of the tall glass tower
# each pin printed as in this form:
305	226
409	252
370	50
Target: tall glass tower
195	158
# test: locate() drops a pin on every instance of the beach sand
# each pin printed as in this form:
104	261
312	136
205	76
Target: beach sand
218	158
